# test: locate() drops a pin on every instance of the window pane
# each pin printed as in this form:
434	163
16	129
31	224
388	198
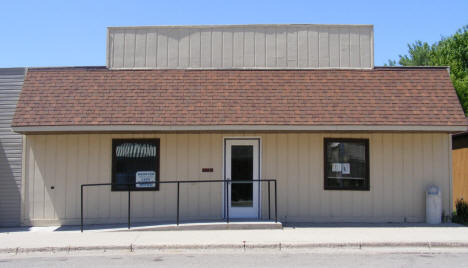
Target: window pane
135	162
346	165
242	170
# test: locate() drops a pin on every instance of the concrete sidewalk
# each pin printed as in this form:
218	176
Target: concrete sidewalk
48	239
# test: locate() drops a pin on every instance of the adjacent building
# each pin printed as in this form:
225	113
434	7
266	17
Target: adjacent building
460	166
11	81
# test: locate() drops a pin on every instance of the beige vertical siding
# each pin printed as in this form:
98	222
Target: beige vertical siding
402	165
241	46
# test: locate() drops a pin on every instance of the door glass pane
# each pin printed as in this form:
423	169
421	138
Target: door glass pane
242	170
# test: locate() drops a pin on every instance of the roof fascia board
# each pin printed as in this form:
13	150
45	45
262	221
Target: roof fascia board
143	128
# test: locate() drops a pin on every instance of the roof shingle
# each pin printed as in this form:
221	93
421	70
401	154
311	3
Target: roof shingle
98	96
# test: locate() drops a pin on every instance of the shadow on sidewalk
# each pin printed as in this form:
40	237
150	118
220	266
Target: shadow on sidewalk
367	225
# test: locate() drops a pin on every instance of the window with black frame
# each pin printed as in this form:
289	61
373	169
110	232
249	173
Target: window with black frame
346	164
135	164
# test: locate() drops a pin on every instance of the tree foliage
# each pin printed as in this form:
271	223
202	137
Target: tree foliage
450	51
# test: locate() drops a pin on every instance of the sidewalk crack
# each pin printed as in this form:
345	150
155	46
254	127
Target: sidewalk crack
132	244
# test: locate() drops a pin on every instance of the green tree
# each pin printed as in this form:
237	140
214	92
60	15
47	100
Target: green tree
390	63
420	54
450	51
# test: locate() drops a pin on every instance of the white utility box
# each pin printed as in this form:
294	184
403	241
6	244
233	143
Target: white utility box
433	205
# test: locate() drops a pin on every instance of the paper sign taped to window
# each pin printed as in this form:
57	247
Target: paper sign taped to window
345	168
143	179
336	167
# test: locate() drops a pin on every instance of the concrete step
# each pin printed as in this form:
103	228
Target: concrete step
233	225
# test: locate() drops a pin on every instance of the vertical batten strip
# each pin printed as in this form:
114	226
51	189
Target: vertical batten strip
140	49
378	179
334	47
399	207
195	49
150	50
302	48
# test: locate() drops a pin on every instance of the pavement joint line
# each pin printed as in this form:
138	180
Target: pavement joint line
241	246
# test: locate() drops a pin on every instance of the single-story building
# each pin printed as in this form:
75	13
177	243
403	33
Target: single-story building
460	166
300	104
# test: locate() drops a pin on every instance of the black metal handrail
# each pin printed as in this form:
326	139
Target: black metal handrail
226	191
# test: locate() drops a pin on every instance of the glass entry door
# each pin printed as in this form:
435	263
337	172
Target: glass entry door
242	165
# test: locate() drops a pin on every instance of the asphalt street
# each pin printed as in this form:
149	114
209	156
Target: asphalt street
328	258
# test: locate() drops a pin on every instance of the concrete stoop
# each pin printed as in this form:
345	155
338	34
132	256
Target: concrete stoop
236	225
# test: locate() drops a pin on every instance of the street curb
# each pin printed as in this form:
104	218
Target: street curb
240	246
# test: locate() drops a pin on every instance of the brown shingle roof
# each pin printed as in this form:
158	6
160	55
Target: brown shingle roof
98	96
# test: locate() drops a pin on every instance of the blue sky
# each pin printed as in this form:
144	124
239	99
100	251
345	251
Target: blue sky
70	33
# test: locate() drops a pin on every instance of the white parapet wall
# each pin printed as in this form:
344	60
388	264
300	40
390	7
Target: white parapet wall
278	46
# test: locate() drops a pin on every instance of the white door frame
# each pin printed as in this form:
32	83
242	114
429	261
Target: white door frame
255	211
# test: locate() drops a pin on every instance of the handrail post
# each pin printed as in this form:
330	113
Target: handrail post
178	189
269	202
82	208
128	207
227	189
276	204
226	196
